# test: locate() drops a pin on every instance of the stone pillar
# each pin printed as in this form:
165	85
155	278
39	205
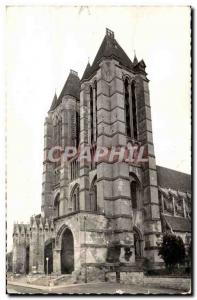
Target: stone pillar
94	113
84	164
68	139
19	251
57	261
40	246
47	180
152	221
33	250
113	177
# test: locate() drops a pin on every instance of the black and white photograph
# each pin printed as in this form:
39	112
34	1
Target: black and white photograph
98	150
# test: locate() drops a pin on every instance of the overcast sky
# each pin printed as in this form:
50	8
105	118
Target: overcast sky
44	43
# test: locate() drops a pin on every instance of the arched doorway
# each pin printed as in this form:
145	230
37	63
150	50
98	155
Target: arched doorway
67	252
48	253
137	244
27	260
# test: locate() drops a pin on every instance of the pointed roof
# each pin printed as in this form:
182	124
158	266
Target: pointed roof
109	49
71	88
140	67
135	60
87	72
54	102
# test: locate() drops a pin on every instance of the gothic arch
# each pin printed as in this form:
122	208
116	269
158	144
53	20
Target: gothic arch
135	190
95	87
65	241
67	252
74	198
127	107
126	76
134	109
48	255
91	116
93	194
57	205
61	230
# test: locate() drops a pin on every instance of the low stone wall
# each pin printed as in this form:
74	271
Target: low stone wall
126	277
177	283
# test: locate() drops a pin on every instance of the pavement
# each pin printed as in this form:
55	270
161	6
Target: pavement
88	288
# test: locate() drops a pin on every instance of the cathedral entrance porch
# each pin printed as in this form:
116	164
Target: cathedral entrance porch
67	252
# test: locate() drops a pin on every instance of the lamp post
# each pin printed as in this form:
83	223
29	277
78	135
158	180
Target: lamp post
85	280
47	260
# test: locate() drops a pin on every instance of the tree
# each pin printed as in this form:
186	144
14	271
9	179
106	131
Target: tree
172	250
189	254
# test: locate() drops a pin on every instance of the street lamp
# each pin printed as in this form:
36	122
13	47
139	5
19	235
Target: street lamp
85	249
47	260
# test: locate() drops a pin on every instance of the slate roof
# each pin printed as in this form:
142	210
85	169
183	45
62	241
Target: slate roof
87	72
178	181
109	49
54	102
178	223
71	88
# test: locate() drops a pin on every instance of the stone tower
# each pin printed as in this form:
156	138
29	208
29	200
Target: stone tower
104	214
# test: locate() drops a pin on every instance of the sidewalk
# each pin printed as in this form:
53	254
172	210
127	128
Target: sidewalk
49	288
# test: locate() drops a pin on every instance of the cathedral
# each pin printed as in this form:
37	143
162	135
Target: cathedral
104	215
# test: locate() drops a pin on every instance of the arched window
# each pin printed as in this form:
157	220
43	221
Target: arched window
77	129
135	191
60	132
91	117
95	85
127	108
93	196
134	110
133	187
75	206
57	205
55	131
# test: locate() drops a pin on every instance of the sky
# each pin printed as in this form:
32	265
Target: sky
44	43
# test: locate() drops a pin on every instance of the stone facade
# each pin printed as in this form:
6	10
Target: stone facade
100	215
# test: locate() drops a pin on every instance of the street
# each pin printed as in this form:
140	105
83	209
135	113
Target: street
93	288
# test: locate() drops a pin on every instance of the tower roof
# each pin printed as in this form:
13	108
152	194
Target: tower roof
87	72
71	88
109	49
135	60
54	102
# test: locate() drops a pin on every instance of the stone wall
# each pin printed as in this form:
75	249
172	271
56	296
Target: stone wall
169	282
176	283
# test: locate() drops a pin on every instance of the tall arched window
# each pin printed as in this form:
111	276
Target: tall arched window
95	85
135	191
60	132
134	110
93	196
133	187
75	206
127	108
57	205
91	117
77	129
